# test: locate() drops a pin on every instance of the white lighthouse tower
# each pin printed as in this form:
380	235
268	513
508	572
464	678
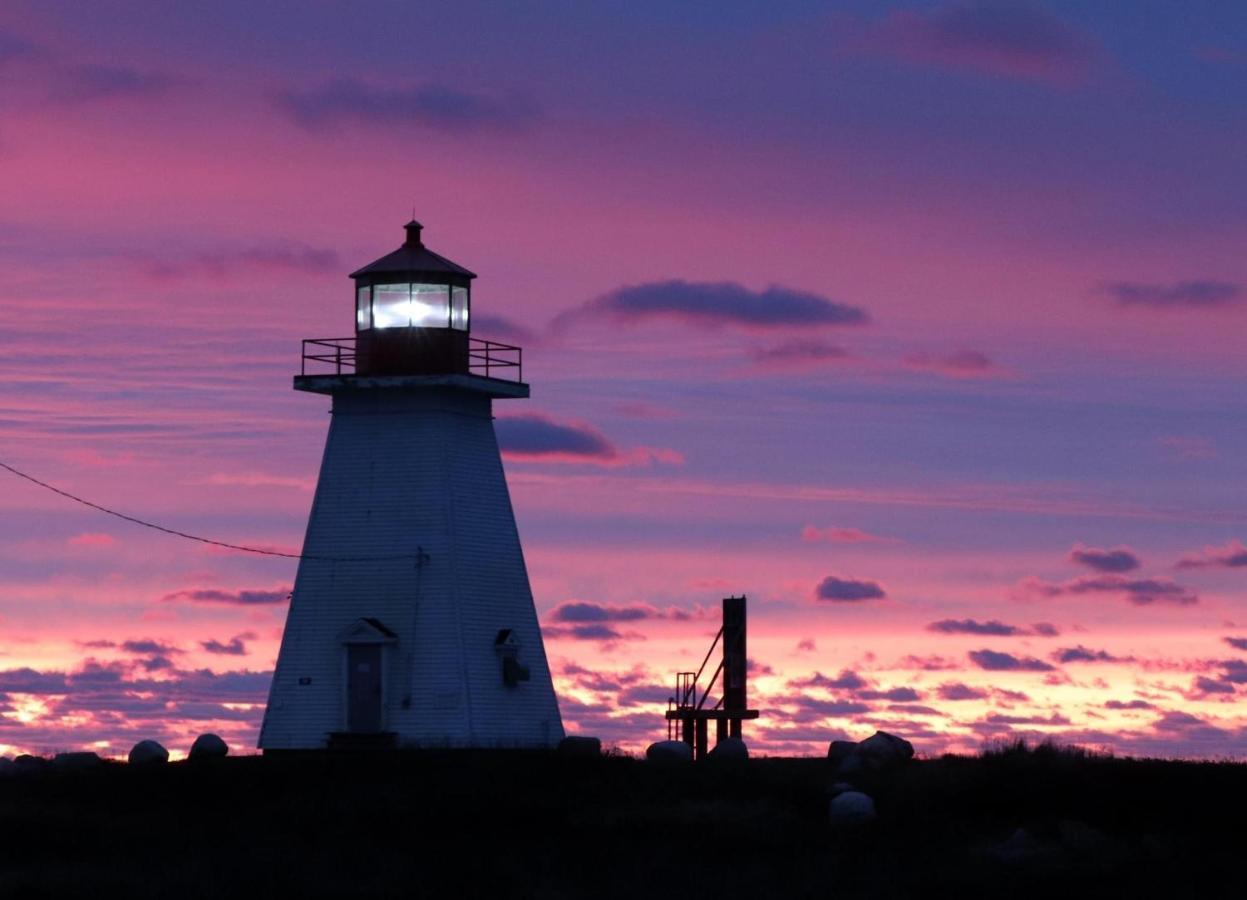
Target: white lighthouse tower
412	621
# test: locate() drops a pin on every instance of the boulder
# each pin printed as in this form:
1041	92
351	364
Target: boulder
208	746
851	767
580	747
669	752
879	753
147	752
27	763
851	808
729	749
885	751
838	751
81	761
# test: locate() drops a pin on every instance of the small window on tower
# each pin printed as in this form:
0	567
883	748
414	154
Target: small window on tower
363	314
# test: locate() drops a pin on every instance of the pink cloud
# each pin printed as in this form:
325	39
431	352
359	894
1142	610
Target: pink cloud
1189	447
259	479
960	364
837	535
798	355
92	539
1136	590
1232	555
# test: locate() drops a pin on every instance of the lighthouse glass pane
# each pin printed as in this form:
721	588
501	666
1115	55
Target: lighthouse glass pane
391	305
363	319
459	308
430	305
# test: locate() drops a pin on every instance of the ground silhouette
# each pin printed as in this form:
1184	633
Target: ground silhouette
1021	822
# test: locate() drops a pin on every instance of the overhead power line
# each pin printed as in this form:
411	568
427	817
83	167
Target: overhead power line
419	556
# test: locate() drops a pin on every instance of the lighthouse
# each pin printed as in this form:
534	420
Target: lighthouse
411	623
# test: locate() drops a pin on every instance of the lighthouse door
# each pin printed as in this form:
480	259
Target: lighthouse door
363	688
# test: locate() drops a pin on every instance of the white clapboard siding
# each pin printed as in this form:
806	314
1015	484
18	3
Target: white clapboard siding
410	469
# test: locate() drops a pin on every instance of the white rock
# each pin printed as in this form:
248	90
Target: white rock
852	808
208	746
669	752
146	752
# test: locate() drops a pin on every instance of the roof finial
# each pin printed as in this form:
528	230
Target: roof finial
413	233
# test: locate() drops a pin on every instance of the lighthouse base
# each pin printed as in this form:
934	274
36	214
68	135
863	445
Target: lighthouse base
412	620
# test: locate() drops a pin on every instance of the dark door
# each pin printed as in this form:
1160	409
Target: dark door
363	687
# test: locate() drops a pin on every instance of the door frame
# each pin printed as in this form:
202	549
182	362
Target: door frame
368	631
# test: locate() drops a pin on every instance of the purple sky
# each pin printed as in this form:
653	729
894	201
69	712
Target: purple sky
920	323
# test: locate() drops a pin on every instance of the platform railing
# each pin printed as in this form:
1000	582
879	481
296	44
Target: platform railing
487	357
337	356
336	353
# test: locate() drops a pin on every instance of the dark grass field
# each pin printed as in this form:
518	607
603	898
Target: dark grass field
536	825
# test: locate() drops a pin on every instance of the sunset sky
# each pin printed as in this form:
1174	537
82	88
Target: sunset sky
921	324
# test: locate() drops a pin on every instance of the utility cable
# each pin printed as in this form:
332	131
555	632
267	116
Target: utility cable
194	537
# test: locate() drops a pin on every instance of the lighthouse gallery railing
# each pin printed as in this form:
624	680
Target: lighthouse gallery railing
336	356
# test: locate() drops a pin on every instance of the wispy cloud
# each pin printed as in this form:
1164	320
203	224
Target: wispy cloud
500	328
798	355
92	539
600	632
1139	591
92	82
1201	294
1013	40
838	535
992	627
437	107
235	646
1189	446
1128	704
1231	556
222	263
996	661
585	611
1081	654
230	598
959	364
847	680
1119	559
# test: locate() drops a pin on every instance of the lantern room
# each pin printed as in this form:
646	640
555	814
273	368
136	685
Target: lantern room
412	312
